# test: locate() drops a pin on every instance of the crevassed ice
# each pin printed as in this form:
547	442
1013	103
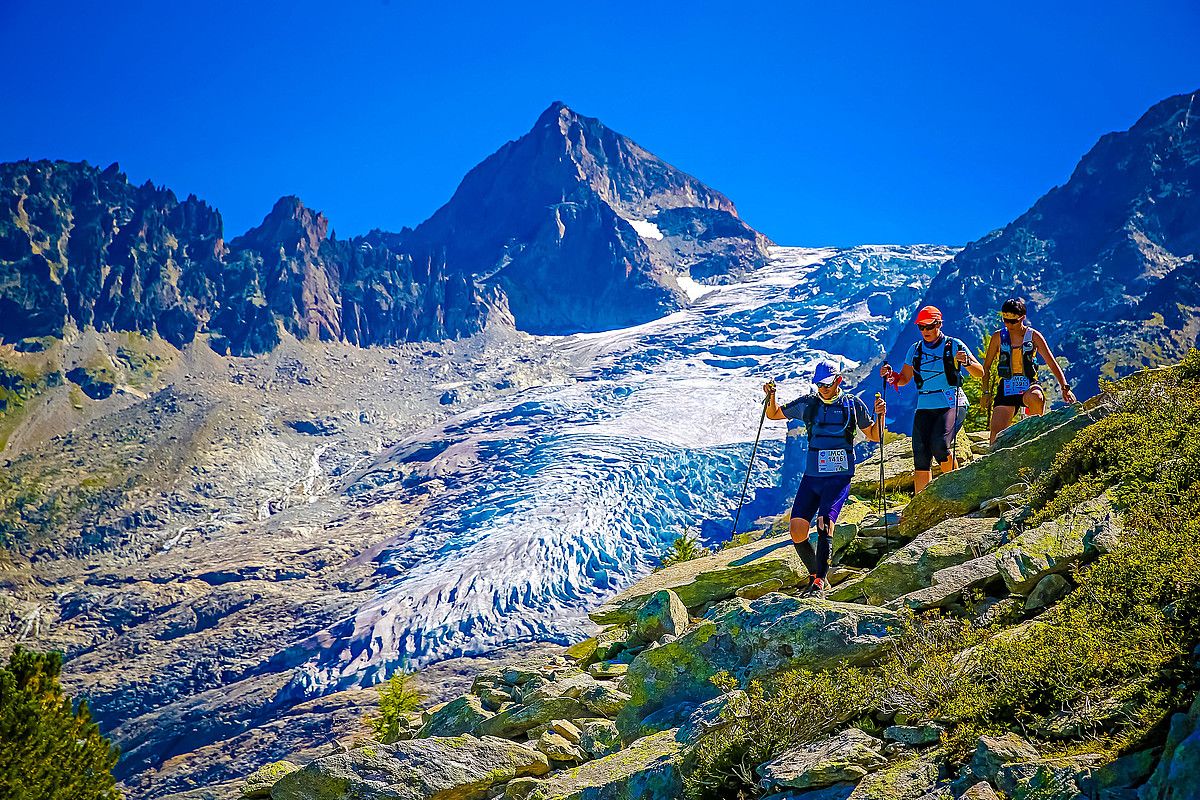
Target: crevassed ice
541	506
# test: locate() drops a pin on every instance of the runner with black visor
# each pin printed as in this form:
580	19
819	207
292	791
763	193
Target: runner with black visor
1015	349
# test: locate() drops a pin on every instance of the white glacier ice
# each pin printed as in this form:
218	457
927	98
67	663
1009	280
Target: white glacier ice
535	509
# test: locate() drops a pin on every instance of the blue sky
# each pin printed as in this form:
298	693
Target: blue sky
890	122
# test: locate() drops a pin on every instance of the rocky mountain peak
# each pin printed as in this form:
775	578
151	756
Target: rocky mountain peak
289	225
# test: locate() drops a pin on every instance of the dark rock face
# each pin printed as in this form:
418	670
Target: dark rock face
83	247
547	221
1107	262
541	231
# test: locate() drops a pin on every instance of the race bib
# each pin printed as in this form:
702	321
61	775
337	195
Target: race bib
833	461
1016	386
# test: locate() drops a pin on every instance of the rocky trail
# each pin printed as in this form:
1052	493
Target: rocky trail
683	654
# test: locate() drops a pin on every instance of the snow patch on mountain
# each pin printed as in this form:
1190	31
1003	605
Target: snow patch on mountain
646	229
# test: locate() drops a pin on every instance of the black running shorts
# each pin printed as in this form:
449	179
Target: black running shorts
933	432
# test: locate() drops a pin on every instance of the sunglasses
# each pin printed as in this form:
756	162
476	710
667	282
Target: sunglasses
929	327
1011	320
827	384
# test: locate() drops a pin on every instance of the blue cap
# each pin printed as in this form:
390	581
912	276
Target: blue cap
825	372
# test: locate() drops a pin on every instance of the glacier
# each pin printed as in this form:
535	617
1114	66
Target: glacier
532	510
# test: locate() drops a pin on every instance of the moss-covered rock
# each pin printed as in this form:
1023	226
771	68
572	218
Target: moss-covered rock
599	738
662	613
514	722
558	748
446	768
846	756
993	752
950	583
1028	448
604	700
710	578
1055	546
751	639
648	769
459	716
914	779
912	566
259	783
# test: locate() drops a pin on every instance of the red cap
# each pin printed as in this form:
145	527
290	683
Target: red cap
927	315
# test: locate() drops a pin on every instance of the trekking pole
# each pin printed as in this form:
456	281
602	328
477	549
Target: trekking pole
887	539
762	417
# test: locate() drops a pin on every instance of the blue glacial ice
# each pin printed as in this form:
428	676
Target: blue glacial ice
528	512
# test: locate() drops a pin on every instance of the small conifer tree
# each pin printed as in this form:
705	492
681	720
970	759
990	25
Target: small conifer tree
49	747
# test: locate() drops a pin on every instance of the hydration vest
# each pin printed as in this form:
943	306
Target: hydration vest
830	426
948	364
1028	355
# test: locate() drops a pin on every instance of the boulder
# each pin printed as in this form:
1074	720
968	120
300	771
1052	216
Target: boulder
259	783
604	700
897	470
513	722
570	683
566	729
1178	772
599	738
662	613
1047	779
912	567
993	752
1055	546
711	578
950	583
494	698
761	589
420	769
608	669
980	791
906	780
751	639
1047	592
648	769
914	735
1031	445
459	716
715	713
847	756
557	748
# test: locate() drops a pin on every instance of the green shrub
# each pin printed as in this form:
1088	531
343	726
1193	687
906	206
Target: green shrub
49	747
398	698
684	548
794	708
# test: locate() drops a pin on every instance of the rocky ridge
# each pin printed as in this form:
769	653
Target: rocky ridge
555	232
685	653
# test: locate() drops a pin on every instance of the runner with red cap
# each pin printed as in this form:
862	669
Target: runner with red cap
935	364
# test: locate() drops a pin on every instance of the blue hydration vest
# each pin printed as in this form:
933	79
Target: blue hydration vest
830	428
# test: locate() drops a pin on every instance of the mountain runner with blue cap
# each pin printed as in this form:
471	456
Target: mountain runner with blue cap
935	363
831	418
